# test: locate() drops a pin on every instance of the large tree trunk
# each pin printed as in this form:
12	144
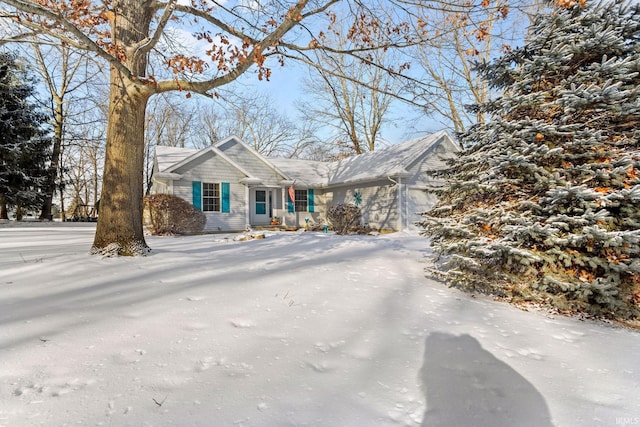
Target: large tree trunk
119	229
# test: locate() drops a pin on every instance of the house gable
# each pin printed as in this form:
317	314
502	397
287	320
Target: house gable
209	165
203	155
432	158
251	161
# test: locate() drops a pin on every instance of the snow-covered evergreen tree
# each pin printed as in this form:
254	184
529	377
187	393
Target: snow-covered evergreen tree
24	143
545	205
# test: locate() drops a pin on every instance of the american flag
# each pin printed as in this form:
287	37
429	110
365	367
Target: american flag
292	194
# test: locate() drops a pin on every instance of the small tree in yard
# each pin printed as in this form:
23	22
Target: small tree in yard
545	204
344	217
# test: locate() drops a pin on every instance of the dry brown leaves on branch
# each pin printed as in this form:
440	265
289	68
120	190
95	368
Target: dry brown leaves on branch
568	4
181	64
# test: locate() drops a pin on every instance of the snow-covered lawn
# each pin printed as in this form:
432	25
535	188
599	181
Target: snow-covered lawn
296	329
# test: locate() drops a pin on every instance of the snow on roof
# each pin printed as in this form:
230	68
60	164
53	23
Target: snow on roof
304	172
390	161
169	156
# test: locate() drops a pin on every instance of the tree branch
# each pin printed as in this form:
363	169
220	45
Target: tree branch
84	41
291	21
308	61
215	21
147	44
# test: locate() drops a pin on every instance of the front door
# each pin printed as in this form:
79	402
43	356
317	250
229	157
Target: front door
260	206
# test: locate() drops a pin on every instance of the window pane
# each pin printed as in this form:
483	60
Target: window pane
210	197
301	200
208	189
261	202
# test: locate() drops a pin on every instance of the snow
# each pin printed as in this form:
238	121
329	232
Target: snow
295	329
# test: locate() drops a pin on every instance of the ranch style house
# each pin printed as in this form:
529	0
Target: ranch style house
237	187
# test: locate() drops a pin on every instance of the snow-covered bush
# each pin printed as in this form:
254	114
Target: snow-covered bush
344	217
168	214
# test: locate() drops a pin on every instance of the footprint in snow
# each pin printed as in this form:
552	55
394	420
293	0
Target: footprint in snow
31	388
354	276
69	386
564	337
530	353
239	369
204	364
326	347
127	357
195	326
241	323
322	367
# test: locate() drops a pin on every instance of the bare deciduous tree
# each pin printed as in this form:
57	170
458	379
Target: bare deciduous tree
468	35
81	159
257	121
64	71
349	97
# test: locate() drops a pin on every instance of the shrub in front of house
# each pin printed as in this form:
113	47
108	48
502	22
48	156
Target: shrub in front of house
344	217
168	214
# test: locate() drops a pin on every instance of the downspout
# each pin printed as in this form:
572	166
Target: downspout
247	209
399	185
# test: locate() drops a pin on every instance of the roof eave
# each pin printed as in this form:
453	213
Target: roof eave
251	181
167	175
385	177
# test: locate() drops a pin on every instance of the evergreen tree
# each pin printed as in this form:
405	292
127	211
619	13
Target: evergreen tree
24	143
545	204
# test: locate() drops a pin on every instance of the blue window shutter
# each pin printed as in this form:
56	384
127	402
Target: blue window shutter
310	199
225	190
197	194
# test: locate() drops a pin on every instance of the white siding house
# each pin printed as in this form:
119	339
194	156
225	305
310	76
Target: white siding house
235	186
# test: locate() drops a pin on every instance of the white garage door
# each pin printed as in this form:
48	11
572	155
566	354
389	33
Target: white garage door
417	201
